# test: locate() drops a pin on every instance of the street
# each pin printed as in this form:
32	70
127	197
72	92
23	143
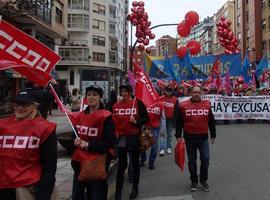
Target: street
239	169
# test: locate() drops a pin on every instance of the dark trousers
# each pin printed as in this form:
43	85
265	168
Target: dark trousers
95	190
122	166
7	194
203	148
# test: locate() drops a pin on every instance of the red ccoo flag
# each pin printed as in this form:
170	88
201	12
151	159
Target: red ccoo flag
144	89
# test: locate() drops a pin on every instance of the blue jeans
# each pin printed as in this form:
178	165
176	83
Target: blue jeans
154	148
203	148
166	140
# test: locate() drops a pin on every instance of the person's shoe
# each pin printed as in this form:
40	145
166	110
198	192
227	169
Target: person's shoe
193	187
162	152
169	150
151	166
205	186
134	193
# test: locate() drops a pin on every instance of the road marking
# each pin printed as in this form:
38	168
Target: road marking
182	197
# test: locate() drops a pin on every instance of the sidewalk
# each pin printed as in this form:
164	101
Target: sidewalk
64	173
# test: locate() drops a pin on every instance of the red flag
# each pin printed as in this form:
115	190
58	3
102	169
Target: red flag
144	89
25	54
215	72
228	83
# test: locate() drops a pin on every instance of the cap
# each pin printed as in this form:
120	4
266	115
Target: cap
126	86
94	88
25	97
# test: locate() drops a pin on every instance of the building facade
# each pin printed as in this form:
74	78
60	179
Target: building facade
166	44
249	26
96	49
266	27
46	22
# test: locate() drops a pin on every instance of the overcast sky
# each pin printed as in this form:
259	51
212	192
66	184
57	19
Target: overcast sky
173	11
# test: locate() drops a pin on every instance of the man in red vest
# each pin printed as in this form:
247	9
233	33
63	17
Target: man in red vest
170	103
195	118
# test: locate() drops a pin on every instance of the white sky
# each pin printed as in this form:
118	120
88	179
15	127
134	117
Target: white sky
173	11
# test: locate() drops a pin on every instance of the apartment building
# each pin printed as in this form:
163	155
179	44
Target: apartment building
166	44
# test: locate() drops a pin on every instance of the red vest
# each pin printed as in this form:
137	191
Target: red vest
168	103
154	113
19	150
89	126
122	111
195	116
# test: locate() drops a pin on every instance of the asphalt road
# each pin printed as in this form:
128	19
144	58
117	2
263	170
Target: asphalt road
239	169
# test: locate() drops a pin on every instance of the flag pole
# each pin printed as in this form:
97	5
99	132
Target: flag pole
62	107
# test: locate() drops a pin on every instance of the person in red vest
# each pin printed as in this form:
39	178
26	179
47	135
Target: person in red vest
129	116
170	103
28	150
157	124
195	118
95	128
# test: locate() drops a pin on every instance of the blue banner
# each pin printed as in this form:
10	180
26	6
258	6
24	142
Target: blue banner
201	66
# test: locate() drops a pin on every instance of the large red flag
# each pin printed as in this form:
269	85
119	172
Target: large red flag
144	89
25	54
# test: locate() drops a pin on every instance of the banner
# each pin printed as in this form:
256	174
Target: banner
201	66
25	54
232	108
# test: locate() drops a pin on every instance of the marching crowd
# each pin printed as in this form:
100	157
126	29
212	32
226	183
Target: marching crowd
28	143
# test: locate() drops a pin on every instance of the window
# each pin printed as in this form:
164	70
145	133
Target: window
239	36
263	3
58	16
263	24
98	24
113	57
78	21
248	34
98	57
238	4
269	22
112	12
78	4
112	28
263	45
247	16
98	40
74	54
238	20
100	9
71	77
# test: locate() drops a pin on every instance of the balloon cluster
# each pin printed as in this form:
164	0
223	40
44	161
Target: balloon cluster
184	29
226	37
140	19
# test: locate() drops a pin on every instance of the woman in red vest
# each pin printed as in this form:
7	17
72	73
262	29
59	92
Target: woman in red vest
95	128
129	116
28	150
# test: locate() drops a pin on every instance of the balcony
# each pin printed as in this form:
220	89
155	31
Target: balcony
78	7
74	55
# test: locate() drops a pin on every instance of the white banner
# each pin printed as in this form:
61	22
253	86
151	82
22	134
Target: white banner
231	108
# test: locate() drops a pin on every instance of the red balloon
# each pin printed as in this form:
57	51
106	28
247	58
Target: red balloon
148	32
138	34
144	24
148	50
141	3
181	52
141	47
183	29
148	23
152	36
140	40
240	80
135	3
134	10
143	36
141	10
237	51
194	47
145	16
222	18
146	41
192	18
134	21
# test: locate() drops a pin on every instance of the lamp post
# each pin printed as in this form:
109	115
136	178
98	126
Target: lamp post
134	45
